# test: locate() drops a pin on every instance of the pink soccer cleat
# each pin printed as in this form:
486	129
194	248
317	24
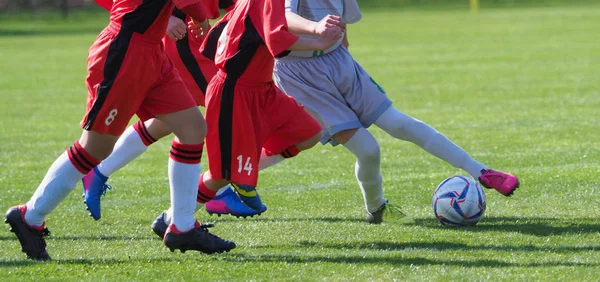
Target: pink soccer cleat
505	183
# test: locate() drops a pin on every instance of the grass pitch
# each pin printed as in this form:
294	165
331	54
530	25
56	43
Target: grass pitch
517	87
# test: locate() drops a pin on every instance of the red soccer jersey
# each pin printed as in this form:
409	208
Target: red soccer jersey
147	17
244	43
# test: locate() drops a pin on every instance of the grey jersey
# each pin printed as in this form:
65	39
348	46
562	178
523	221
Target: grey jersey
315	10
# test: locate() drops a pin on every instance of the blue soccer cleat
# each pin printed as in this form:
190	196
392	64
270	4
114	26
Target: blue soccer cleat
94	186
229	202
249	196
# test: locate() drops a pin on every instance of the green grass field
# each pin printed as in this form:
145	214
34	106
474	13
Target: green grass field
517	87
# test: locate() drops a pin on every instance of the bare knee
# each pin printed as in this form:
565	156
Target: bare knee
343	136
156	128
188	125
98	145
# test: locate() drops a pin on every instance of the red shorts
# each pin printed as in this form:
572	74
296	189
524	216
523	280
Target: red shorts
130	74
195	69
259	115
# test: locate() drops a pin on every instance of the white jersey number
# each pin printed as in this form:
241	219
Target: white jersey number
111	116
247	167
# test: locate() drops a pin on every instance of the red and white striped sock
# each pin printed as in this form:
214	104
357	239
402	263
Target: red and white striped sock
134	142
184	172
60	180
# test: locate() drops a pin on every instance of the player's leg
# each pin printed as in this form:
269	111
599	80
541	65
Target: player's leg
133	143
321	87
402	126
224	201
108	112
171	103
365	148
28	221
367	168
195	71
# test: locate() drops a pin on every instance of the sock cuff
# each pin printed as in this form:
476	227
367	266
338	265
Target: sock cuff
82	160
186	153
142	131
204	194
290	152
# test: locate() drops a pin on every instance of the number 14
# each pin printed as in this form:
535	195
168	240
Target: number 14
247	167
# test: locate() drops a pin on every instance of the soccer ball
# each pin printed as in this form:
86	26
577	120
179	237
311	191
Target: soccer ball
458	201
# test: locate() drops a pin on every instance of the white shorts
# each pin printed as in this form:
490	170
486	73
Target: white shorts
334	88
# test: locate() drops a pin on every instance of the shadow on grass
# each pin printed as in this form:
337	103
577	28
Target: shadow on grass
395	260
440	246
272	219
67	31
90	238
538	226
27	262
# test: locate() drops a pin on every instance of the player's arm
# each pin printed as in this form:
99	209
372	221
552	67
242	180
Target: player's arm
195	10
277	37
299	25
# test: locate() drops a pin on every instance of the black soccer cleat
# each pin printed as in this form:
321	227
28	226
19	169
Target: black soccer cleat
197	239
159	226
31	238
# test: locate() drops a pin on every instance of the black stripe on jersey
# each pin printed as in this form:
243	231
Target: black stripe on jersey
137	21
210	47
190	63
224	4
143	16
235	66
250	41
114	60
226	126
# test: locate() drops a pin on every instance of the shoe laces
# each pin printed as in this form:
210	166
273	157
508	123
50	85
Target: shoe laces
204	229
206	226
393	210
489	175
43	233
104	188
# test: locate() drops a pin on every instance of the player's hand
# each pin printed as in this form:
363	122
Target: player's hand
176	29
330	36
329	21
199	29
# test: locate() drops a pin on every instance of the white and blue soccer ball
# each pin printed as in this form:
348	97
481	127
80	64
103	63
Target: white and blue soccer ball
459	201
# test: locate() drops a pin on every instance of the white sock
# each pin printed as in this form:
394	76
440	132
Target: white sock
404	127
60	180
184	173
169	213
128	147
367	170
268	161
